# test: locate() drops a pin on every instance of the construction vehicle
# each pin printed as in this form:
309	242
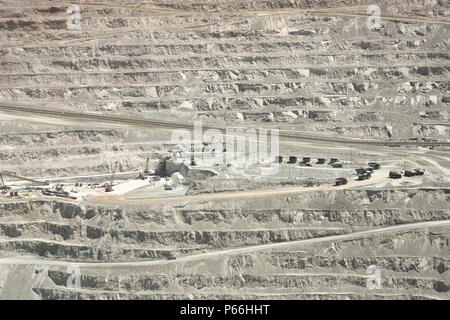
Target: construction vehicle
374	165
305	162
109	187
364	176
321	160
48	193
369	169
336	165
409	173
333	160
395	175
340	181
172	256
413	172
62	194
292	159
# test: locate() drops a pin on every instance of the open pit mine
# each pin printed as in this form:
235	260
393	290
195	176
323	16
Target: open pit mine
224	150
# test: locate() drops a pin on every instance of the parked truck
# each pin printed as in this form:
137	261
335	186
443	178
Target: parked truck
340	181
395	175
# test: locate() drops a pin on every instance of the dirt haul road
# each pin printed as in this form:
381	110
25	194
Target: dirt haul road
353	235
211	9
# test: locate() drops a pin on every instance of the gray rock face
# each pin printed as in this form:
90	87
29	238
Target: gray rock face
235	234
